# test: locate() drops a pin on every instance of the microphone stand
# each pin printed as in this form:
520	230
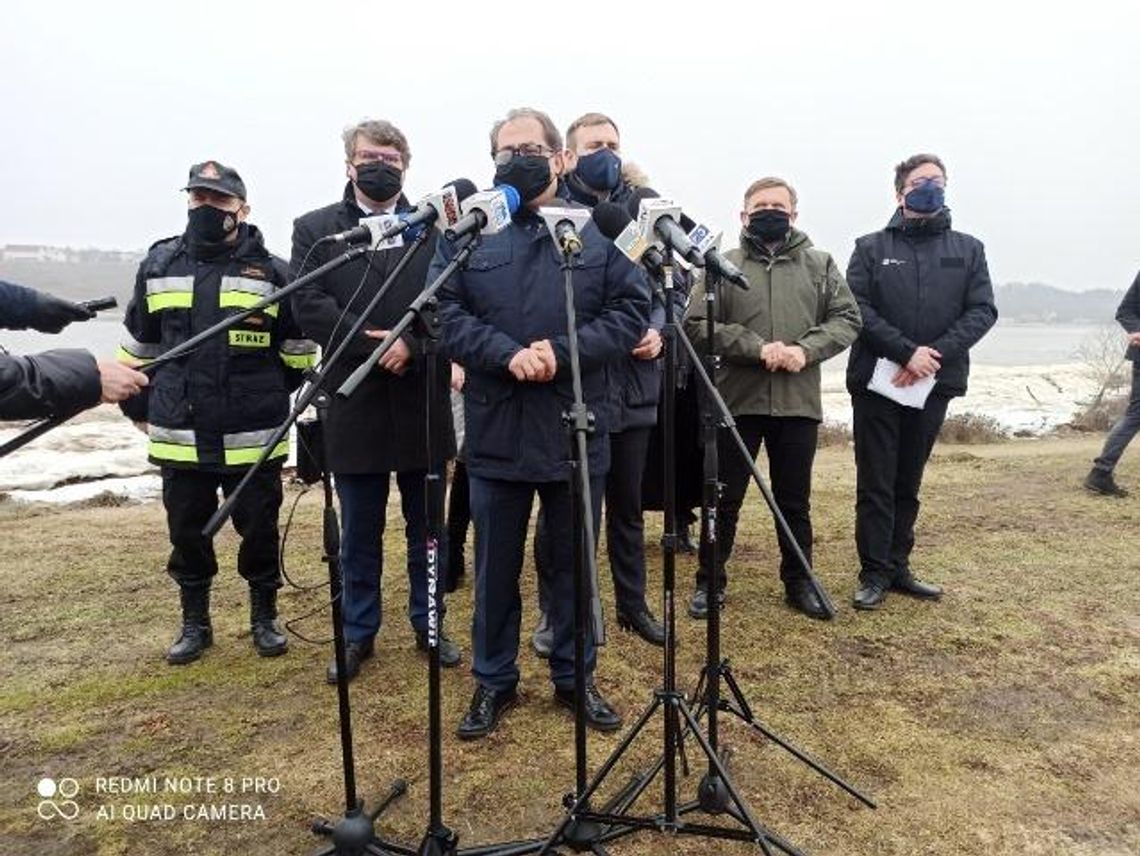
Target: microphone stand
712	796
354	834
438	840
614	821
716	794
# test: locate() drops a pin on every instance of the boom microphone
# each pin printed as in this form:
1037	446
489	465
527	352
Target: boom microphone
565	224
658	217
708	245
614	222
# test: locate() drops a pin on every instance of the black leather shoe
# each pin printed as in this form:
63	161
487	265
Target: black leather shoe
355	653
599	715
449	653
1102	482
800	595
869	596
542	640
487	705
642	622
699	602
907	584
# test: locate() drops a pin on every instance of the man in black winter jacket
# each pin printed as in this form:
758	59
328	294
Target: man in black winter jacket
381	429
56	382
210	413
1100	479
925	295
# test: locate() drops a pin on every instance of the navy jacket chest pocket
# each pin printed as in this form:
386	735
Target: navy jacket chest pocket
486	279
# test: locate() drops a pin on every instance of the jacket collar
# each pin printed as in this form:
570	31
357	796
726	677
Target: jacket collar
795	243
934	225
352	207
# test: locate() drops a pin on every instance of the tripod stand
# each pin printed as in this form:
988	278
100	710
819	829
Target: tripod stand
711	796
583	829
438	839
354	834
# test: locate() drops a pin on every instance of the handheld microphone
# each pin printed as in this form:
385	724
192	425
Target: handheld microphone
99	304
708	245
441	207
565	225
658	217
486	212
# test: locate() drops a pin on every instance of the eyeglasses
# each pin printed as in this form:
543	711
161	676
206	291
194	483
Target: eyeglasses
936	180
504	155
372	157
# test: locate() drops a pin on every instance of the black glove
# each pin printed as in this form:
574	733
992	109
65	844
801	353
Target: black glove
52	314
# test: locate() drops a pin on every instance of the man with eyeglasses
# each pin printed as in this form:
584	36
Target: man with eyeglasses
381	428
504	321
925	294
594	173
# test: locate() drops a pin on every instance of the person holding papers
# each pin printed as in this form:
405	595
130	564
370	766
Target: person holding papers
925	294
772	339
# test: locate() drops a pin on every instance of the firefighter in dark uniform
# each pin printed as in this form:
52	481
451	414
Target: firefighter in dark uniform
209	414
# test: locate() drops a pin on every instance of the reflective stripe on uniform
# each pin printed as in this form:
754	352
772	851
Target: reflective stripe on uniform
250	338
172	444
134	350
240	292
299	353
246	447
169	292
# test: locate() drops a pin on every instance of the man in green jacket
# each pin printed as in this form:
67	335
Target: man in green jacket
772	339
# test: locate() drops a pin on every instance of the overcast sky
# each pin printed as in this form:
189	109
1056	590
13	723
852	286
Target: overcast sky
1035	108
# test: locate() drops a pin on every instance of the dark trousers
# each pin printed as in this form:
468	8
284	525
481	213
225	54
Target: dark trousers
625	527
791	443
892	445
458	521
363	507
1124	430
501	511
191	498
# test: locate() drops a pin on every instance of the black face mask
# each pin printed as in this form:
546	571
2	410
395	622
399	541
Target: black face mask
769	225
210	225
528	174
379	181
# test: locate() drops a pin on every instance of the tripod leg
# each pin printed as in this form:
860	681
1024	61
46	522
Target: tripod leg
754	826
733	687
745	714
599	777
398	789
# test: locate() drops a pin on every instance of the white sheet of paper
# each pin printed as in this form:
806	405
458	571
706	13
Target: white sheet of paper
914	395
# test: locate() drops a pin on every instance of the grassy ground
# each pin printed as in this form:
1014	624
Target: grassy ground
1004	720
